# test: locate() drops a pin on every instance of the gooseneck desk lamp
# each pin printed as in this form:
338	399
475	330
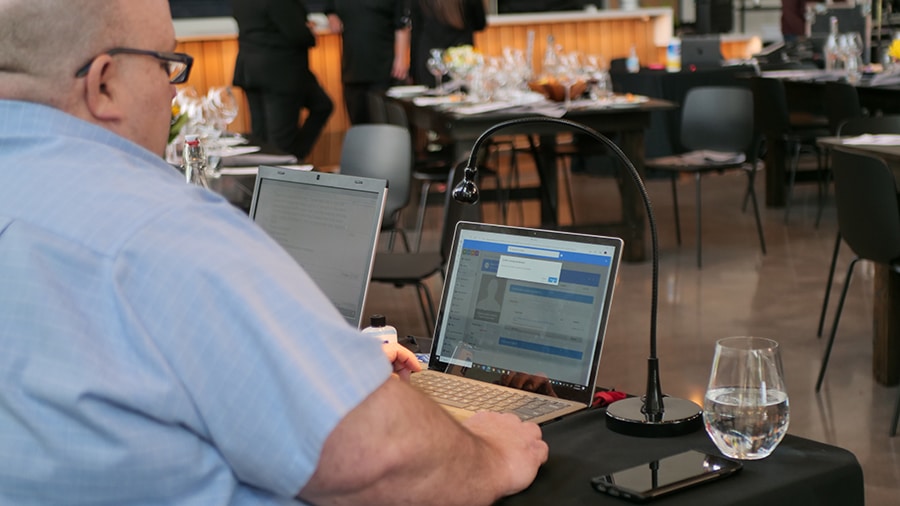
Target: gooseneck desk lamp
652	415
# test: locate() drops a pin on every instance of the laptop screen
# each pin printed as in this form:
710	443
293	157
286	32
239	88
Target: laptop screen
527	303
329	223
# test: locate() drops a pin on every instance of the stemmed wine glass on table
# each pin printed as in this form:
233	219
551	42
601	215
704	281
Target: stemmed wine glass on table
850	46
223	107
438	69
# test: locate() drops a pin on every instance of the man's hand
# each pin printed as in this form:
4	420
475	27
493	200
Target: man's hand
518	446
335	24
403	360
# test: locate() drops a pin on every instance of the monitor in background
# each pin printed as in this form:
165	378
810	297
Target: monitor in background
329	223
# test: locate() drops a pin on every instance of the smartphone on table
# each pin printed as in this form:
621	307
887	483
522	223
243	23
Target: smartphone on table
665	476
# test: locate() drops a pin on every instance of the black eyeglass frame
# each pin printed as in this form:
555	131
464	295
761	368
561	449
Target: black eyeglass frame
182	58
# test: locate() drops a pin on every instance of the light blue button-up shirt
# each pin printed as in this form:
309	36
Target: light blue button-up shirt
156	347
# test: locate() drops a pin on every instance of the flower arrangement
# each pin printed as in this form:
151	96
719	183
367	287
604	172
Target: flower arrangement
894	50
461	60
179	119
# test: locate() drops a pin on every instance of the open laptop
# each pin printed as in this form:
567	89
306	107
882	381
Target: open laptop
701	52
522	307
329	223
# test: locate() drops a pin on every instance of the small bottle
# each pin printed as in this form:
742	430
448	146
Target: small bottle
379	329
830	50
673	55
632	64
193	161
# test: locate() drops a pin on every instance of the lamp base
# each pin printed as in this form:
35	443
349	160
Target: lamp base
679	417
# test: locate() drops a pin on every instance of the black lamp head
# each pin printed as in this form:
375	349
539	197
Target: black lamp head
466	191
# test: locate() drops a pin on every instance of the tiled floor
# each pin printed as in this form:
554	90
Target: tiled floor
739	291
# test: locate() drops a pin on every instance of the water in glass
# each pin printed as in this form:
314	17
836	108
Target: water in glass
746	409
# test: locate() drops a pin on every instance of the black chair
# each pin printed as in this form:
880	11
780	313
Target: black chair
774	119
382	151
841	104
869	219
717	126
431	163
850	128
414	268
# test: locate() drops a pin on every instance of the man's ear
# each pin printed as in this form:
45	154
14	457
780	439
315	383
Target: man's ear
101	90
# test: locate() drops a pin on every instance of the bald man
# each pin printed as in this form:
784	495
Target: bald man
145	358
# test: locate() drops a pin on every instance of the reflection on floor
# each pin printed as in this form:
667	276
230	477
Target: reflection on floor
738	291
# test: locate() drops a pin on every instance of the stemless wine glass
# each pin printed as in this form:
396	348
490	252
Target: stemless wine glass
746	409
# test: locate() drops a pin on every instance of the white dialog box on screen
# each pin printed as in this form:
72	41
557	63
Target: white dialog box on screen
529	269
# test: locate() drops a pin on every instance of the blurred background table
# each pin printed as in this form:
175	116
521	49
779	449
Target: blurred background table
625	125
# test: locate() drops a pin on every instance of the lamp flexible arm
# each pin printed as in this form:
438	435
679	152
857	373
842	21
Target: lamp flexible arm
467	191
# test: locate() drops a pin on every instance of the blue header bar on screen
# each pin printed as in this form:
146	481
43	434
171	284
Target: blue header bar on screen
543	253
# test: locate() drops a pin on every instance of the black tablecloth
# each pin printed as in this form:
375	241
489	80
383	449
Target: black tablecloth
799	472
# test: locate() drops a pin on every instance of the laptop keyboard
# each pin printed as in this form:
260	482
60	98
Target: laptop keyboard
474	396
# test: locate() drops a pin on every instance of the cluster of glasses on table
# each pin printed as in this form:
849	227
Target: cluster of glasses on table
562	78
843	51
207	117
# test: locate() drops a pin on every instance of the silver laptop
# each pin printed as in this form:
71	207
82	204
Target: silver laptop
329	223
522	308
701	52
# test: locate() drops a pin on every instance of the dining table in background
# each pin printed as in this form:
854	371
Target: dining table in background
805	91
886	299
625	123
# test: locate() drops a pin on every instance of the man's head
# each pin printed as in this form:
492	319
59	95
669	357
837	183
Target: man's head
43	43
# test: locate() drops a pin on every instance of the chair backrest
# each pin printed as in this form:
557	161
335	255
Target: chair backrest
867	208
718	118
395	114
380	151
454	211
770	106
870	125
376	104
841	104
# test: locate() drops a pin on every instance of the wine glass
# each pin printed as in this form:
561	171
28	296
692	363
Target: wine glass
223	105
438	69
746	409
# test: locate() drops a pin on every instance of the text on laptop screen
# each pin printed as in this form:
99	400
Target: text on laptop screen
526	304
330	231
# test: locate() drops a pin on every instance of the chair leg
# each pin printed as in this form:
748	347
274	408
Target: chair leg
426	304
823	194
790	193
699	227
751	191
834	257
837	319
896	418
420	219
675	206
567	179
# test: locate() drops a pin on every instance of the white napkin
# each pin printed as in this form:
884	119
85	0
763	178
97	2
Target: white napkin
873	140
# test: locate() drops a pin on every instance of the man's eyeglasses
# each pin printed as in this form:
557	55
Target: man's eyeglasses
178	65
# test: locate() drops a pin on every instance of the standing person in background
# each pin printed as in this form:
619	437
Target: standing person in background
375	36
441	24
272	68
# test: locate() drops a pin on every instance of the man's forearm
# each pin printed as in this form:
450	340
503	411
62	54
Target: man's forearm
386	452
